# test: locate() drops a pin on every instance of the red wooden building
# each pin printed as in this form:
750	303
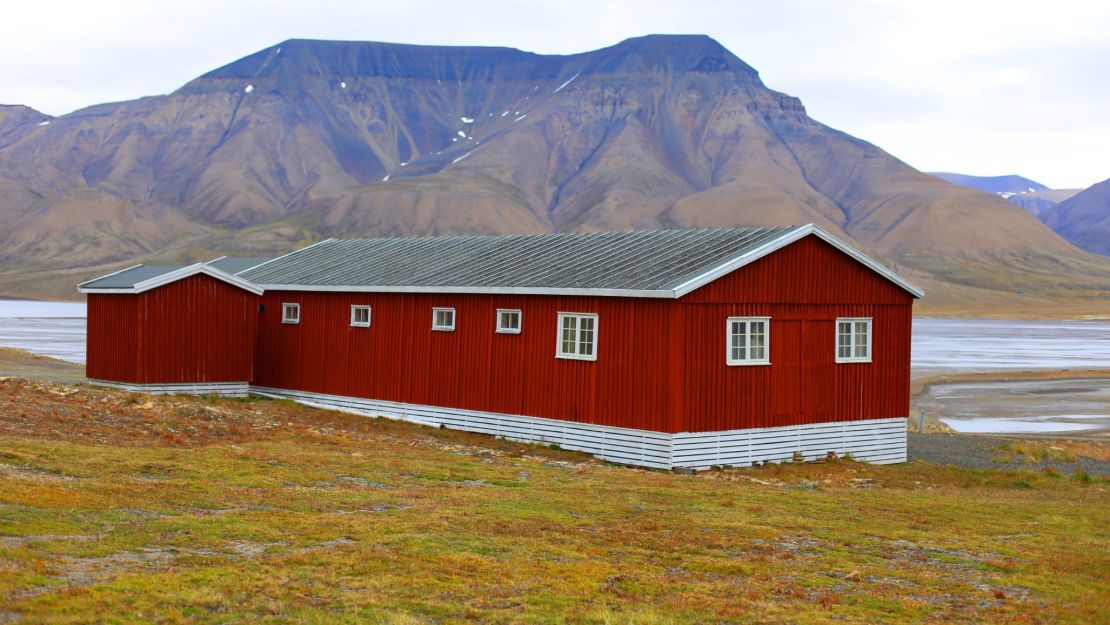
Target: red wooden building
667	348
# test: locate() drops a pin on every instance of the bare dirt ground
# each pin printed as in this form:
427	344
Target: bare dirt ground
18	363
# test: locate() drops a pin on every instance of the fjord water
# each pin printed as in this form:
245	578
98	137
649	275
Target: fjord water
940	346
55	329
962	345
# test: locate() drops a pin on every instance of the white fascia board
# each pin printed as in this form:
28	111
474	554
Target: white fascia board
193	270
180	274
786	239
108	275
480	290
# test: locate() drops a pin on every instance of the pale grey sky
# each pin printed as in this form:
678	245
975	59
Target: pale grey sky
970	86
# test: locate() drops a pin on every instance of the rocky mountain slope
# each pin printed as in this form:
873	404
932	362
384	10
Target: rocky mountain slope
309	139
1085	218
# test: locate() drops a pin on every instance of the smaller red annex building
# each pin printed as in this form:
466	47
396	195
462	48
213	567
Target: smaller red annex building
670	348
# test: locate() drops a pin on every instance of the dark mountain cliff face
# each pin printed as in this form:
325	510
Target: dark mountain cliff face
313	138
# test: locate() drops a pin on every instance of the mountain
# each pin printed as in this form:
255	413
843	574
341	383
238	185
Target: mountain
309	139
1034	197
1002	185
1084	219
1037	203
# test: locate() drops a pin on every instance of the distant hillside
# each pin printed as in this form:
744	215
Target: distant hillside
1085	218
1001	185
310	139
17	120
1037	203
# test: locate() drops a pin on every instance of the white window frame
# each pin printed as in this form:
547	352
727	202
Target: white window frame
852	338
501	329
747	360
286	307
369	315
443	327
559	353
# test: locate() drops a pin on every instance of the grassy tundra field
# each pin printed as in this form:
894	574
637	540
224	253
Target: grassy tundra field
118	508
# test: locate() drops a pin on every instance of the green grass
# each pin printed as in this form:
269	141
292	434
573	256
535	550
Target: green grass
378	522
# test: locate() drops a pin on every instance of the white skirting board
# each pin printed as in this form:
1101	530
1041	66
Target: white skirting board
223	389
879	441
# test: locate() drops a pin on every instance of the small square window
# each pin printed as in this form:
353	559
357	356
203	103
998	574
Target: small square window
748	341
508	321
360	316
853	339
291	313
443	319
577	339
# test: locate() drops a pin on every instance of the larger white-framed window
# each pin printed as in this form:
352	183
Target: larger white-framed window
443	319
508	321
577	338
748	341
360	316
853	339
290	313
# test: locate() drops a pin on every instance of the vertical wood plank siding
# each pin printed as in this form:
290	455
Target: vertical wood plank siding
803	288
660	366
400	358
112	338
198	329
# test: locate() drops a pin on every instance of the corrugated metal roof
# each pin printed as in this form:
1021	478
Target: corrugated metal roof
234	265
658	260
129	277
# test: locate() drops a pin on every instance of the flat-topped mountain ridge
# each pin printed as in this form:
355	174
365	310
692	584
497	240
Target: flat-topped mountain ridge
312	139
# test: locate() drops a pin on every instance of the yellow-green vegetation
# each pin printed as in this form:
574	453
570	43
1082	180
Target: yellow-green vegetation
121	509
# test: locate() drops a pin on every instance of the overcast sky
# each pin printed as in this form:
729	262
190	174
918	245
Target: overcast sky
976	87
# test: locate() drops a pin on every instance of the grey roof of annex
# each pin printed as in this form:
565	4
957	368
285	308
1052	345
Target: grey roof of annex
132	277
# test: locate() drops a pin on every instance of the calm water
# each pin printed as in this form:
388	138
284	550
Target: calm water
49	328
939	346
954	345
1015	407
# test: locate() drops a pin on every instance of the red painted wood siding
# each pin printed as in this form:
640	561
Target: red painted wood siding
112	338
803	288
400	358
198	329
660	366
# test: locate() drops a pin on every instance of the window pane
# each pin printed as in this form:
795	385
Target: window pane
758	341
735	340
570	334
586	336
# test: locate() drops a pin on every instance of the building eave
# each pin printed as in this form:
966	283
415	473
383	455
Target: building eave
174	276
797	234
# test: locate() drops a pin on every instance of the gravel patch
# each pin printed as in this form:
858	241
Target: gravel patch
978	452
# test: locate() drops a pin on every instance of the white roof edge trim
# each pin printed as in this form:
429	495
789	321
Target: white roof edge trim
489	290
109	275
180	274
307	247
781	242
